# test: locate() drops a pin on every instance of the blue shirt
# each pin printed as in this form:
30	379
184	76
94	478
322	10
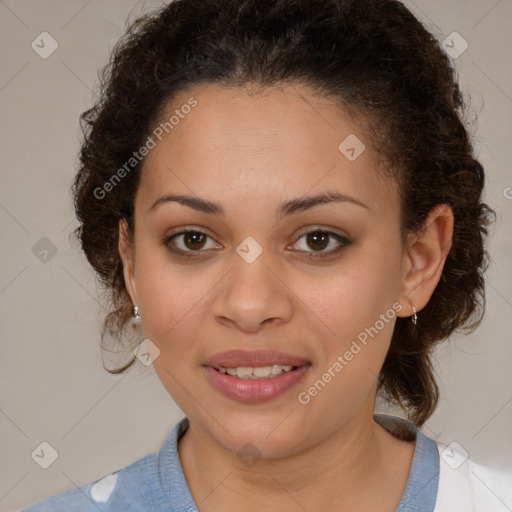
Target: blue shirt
156	482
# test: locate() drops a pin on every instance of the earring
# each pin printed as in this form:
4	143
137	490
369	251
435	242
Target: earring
136	312
414	316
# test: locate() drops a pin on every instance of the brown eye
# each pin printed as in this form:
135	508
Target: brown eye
186	243
194	240
318	240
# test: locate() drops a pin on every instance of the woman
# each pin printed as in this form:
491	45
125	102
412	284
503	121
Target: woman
284	194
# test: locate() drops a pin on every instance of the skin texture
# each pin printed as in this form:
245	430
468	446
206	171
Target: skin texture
250	152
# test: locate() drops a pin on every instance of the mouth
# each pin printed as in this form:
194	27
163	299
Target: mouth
255	359
255	376
257	372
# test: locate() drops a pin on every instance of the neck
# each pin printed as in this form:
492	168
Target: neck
356	458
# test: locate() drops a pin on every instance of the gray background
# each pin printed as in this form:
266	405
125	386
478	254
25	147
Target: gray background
54	387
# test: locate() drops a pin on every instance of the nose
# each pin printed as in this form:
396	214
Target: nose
254	296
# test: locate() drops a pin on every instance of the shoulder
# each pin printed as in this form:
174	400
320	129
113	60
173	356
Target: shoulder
154	482
467	485
130	489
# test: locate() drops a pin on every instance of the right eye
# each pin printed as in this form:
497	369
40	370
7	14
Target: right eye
191	241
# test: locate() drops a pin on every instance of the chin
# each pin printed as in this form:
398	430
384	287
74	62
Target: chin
268	435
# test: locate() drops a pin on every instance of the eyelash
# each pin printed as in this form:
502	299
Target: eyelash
308	255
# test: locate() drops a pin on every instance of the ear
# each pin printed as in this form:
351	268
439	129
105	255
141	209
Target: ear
424	259
127	253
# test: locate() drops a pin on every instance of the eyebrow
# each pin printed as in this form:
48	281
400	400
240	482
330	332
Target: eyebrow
299	204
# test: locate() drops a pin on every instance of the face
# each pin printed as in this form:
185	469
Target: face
241	267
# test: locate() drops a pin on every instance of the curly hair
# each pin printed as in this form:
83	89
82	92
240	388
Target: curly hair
373	57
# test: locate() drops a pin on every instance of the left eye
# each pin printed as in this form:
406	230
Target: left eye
320	239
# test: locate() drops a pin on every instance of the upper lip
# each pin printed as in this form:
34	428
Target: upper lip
236	358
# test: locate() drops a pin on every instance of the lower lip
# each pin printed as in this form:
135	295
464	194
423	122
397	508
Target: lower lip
254	390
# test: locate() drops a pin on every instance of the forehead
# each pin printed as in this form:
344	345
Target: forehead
237	144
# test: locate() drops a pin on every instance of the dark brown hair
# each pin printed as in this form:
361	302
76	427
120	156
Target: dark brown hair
377	60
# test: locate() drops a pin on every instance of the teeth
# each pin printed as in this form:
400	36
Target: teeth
261	371
248	372
243	371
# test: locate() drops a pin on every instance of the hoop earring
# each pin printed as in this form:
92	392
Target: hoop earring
414	316
136	312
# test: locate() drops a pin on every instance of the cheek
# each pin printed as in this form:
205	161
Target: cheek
358	308
361	319
172	296
355	299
